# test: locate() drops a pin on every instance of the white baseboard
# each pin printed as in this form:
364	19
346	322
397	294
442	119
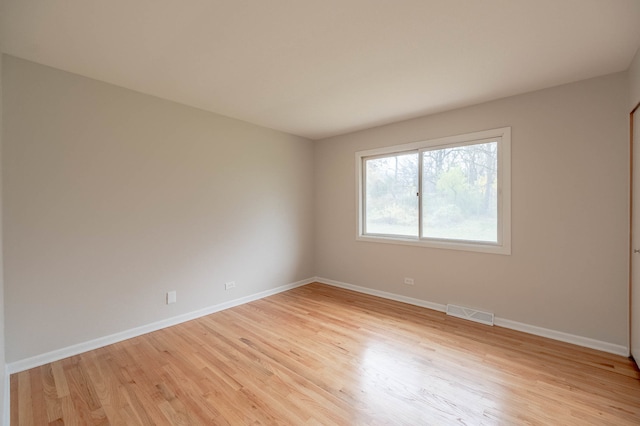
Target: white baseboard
58	354
500	322
384	294
563	337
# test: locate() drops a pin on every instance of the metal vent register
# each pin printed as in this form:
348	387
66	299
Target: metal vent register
470	314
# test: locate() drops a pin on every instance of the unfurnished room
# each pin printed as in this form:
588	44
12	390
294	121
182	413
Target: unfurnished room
356	212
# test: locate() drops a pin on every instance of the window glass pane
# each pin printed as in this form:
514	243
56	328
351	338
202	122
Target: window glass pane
391	201
459	187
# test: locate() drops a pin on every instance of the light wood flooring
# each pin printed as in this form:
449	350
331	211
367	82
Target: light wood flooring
322	355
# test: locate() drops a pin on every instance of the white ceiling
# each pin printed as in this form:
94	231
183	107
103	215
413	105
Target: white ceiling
318	68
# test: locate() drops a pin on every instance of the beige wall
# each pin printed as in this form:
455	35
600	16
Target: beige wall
634	81
568	268
3	377
112	198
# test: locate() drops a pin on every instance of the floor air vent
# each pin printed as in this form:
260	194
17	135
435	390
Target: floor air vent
470	314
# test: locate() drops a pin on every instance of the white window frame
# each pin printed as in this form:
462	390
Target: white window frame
503	246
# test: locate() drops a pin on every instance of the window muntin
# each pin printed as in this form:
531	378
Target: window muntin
452	193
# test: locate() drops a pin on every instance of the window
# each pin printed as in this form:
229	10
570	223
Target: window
449	193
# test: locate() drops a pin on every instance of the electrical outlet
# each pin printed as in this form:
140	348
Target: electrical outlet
171	297
230	284
408	281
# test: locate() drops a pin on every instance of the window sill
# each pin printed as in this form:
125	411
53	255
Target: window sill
504	249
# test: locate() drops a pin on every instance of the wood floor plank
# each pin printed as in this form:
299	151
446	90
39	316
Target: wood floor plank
321	355
54	408
26	408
